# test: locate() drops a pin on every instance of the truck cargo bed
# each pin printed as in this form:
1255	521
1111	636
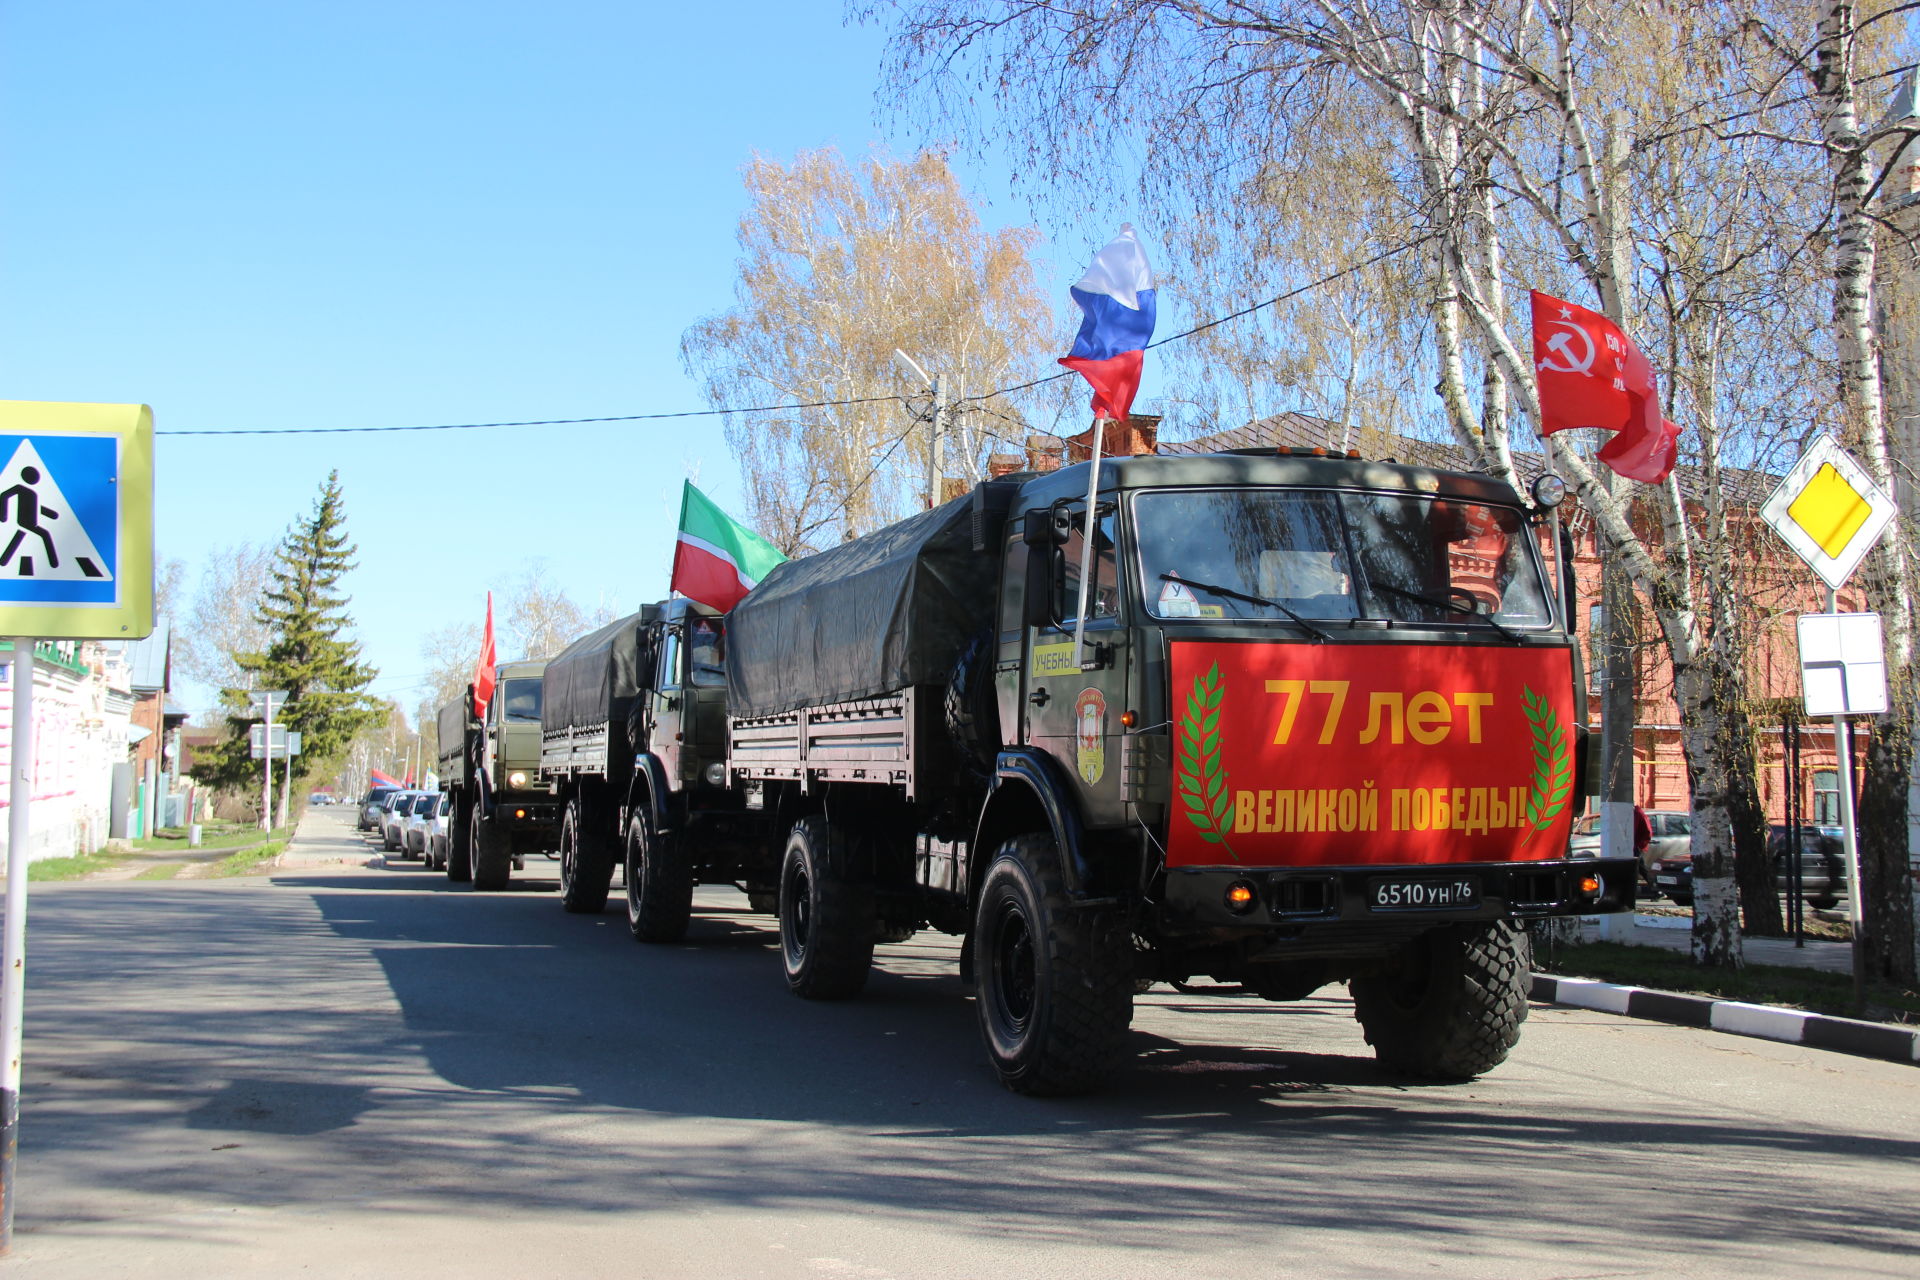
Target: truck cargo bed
575	749
866	740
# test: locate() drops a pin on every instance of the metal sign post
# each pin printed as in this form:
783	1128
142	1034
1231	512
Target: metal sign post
261	702
1831	513
1843	672
76	563
20	794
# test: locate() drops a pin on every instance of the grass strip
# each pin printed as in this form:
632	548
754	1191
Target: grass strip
162	871
248	861
1793	988
225	836
74	866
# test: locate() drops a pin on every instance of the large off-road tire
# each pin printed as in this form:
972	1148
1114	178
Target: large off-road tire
492	856
586	863
1454	1008
1054	982
460	841
827	925
659	884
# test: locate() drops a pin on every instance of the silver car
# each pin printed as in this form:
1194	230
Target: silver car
392	814
437	833
413	828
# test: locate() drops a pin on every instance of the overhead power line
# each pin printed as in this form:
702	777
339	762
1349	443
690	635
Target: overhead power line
787	408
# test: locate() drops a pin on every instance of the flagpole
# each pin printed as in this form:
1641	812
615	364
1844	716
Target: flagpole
1086	544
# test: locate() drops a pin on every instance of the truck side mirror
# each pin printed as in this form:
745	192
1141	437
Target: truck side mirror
1037	528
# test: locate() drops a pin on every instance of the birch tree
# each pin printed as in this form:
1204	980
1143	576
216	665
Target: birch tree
841	264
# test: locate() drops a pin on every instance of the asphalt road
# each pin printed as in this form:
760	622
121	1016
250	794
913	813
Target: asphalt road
370	1072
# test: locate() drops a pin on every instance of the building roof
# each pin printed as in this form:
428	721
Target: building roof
149	660
1739	486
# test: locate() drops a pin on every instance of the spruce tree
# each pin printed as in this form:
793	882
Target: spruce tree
308	654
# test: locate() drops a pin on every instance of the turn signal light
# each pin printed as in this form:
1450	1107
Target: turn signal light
1240	896
519	813
1591	886
1128	719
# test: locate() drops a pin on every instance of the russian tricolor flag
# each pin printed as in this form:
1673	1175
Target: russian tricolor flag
1116	297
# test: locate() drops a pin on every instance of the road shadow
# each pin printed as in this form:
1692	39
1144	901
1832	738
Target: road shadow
491	1033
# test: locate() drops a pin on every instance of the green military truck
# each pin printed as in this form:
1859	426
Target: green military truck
1288	720
491	769
633	746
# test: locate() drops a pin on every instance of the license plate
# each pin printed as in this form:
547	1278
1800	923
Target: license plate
1666	879
1422	895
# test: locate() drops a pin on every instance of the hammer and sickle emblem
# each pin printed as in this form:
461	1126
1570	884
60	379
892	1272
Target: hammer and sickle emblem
1562	346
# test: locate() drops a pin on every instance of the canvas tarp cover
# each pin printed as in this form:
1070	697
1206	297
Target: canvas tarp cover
595	679
872	616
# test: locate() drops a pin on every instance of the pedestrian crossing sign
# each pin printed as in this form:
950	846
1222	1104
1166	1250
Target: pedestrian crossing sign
76	520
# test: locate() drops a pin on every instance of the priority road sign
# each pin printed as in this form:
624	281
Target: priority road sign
1829	511
76	520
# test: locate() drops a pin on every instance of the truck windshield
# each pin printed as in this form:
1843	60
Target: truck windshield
707	646
520	701
1336	555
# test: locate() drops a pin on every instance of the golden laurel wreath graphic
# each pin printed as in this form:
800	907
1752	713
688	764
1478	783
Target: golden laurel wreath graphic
1552	778
1199	777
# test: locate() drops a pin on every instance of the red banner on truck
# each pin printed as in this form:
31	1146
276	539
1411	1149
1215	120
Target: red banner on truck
1339	755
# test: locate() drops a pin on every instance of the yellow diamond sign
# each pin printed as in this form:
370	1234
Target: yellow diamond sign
1829	511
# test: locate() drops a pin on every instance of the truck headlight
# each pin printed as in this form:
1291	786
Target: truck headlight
716	774
517	779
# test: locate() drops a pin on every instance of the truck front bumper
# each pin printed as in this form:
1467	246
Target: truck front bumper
1298	901
526	811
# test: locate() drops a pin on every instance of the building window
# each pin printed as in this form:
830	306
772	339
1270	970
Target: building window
1826	798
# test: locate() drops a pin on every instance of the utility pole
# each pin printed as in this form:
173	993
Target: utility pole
936	424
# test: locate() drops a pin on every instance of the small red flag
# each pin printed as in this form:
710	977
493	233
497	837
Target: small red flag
1591	375
483	669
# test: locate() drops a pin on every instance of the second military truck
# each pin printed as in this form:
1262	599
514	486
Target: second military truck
490	766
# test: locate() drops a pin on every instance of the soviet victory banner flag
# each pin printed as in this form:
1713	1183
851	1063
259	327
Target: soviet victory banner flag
717	560
1591	375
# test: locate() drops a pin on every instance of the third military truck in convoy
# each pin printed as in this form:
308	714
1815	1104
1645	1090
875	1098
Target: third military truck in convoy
1270	718
633	749
490	768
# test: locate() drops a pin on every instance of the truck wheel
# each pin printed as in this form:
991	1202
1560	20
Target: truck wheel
1055	982
827	924
460	842
1455	1007
586	868
492	856
659	884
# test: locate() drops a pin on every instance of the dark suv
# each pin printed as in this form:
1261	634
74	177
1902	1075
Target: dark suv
371	807
1823	867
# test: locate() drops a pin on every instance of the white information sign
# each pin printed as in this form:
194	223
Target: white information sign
1843	664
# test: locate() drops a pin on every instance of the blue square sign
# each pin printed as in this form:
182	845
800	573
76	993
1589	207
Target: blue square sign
59	519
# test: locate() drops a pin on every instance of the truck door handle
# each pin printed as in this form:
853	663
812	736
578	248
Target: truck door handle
1038	697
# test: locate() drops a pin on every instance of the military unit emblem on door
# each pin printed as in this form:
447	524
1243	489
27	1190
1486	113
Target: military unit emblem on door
1090	735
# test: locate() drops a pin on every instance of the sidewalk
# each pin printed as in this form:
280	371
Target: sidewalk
326	838
1675	933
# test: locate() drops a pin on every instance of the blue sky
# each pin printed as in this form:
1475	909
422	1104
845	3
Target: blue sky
353	214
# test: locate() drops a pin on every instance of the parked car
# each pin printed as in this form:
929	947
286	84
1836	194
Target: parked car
413	828
1823	867
1823	863
372	806
437	833
392	815
1672	838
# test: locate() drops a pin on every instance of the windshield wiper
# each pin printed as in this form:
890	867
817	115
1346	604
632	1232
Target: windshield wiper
1231	594
1451	606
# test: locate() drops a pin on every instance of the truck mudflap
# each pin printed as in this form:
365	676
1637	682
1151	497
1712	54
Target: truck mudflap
1294	900
1021	774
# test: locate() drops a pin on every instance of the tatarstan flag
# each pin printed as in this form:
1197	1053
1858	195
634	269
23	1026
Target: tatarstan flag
717	560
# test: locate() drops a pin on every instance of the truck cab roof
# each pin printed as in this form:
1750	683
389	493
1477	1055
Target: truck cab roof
1288	467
